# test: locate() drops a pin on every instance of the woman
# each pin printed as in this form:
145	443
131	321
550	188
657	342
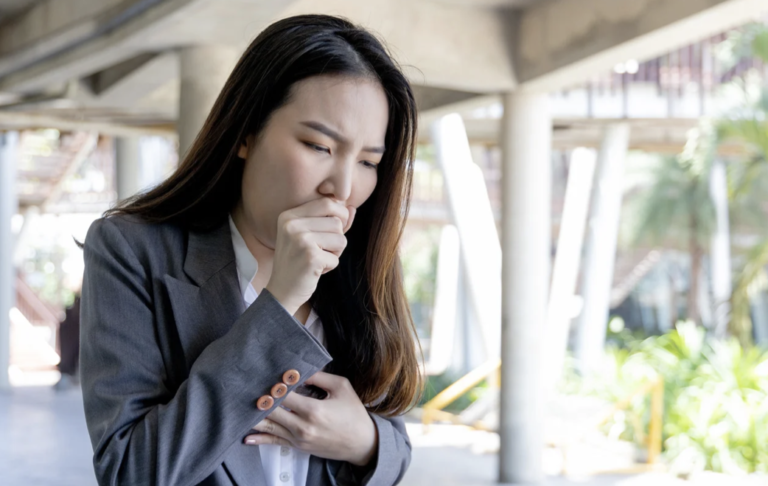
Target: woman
269	255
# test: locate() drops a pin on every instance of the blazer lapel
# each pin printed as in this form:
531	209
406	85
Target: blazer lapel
206	309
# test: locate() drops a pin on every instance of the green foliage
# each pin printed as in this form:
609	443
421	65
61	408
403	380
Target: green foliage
677	207
715	401
748	176
419	257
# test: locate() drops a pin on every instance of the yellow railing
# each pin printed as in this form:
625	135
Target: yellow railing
433	409
654	439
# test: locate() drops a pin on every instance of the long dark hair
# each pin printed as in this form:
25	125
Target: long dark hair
361	303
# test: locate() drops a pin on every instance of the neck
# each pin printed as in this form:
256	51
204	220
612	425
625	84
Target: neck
263	254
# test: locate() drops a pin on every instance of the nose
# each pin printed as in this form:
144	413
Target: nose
338	183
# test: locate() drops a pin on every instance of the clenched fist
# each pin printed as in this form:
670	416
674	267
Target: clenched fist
310	239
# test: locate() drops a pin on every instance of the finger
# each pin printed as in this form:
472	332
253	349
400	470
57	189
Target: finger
327	381
273	428
288	420
329	261
332	242
300	404
352	212
324	206
262	439
318	224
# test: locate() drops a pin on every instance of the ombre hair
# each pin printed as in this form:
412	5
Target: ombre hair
362	304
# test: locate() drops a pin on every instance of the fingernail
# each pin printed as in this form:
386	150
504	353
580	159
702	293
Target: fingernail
251	441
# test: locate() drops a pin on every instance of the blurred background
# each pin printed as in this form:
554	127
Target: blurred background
615	153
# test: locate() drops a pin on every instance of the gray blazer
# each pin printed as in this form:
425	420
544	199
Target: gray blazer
172	363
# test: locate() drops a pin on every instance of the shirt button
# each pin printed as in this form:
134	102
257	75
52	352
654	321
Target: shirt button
265	402
285	477
291	377
284	451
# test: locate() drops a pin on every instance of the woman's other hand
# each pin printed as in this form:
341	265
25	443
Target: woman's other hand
337	427
310	239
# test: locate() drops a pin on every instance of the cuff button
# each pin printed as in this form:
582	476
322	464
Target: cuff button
291	377
265	402
279	390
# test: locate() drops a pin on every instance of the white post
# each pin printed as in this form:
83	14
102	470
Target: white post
472	213
526	240
600	254
8	207
443	334
565	272
127	166
721	250
204	70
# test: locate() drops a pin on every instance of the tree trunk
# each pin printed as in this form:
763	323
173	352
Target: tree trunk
673	302
693	287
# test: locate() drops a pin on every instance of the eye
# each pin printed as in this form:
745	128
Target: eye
318	148
370	165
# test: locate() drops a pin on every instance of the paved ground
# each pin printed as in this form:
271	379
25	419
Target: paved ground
45	443
44	440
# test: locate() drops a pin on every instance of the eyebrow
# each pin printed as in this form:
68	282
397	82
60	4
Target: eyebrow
328	131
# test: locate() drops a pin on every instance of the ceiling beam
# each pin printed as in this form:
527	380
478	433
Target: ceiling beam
561	43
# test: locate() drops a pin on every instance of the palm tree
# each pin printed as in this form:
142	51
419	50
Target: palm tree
677	210
748	127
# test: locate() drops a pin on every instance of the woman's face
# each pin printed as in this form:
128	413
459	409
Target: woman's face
325	142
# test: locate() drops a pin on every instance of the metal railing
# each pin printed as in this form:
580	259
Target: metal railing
433	409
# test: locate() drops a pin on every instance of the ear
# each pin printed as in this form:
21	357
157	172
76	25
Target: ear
242	152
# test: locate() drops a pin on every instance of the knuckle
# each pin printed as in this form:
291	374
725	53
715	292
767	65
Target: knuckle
345	383
305	240
290	226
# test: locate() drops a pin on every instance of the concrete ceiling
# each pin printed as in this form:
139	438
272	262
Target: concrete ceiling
489	3
9	8
113	64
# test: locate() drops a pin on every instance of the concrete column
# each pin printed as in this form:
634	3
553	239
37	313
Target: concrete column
204	70
720	256
127	166
526	225
8	206
600	251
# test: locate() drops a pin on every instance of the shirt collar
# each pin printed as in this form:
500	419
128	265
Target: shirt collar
247	266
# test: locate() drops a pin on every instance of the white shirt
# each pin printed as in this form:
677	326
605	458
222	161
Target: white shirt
283	465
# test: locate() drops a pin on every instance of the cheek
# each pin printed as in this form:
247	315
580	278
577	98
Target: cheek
364	187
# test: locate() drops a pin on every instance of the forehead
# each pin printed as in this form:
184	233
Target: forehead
356	107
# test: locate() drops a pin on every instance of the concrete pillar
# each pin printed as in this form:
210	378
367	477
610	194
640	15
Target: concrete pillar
203	70
720	250
8	206
600	248
526	225
128	166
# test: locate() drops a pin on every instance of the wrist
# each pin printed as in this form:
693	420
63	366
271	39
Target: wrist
289	307
368	457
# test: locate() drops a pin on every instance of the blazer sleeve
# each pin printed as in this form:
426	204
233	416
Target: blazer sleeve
143	432
392	457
